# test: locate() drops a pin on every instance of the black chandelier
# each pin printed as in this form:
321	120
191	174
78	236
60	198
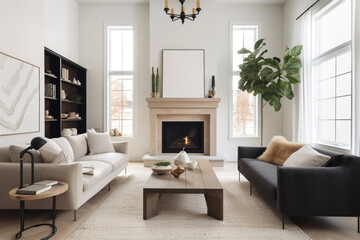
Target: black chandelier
182	15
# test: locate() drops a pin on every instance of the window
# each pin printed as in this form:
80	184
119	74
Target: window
120	78
332	75
243	119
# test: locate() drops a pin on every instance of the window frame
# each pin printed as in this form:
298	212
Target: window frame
255	136
107	85
322	58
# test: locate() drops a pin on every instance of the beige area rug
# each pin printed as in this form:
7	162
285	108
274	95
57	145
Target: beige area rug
183	216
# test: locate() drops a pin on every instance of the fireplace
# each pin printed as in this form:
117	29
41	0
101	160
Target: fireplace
176	135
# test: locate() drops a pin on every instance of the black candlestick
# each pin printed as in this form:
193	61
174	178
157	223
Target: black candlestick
213	82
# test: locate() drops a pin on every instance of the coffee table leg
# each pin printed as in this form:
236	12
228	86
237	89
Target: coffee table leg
22	207
150	204
214	202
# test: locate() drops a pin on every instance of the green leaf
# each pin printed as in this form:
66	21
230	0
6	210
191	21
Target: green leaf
258	43
296	51
243	51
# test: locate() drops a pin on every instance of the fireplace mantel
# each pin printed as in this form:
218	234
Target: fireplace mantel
183	109
187	103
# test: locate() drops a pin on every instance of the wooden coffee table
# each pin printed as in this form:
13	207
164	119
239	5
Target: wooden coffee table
201	180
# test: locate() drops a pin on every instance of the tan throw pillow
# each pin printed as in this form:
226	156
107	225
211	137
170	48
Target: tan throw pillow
52	153
279	150
306	157
14	152
99	142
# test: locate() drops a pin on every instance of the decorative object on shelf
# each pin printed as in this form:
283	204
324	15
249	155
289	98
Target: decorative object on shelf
73	131
66	132
78	82
178	171
213	92
48	71
71	114
76	98
64	115
210	94
157	81
272	78
182	15
115	132
74	81
181	158
191	164
162	167
19	96
47	116
65	74
63	94
50	90
36	143
153	88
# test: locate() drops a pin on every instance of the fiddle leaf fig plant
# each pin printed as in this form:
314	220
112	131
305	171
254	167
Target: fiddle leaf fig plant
272	78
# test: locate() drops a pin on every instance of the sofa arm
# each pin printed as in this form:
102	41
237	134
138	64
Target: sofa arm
69	173
121	146
318	191
250	152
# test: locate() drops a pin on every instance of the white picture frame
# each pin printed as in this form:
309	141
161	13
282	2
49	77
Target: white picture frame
183	73
19	96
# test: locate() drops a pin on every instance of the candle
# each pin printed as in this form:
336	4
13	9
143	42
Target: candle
197	3
172	11
193	11
166	3
213	82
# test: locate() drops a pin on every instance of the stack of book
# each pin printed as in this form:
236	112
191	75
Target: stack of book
37	188
65	73
50	90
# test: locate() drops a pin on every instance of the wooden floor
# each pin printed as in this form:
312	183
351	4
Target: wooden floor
318	228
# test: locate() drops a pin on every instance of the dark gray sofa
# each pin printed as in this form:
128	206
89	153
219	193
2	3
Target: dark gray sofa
332	190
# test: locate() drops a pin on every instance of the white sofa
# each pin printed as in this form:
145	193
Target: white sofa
81	186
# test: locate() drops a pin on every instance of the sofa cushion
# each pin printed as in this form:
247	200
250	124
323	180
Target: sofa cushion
101	170
52	153
262	175
279	150
99	142
65	146
306	157
14	152
114	159
78	144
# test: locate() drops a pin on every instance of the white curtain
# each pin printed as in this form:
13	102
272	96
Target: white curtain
356	75
302	103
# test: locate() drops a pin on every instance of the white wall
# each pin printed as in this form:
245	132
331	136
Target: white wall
61	27
292	9
22	36
269	18
92	18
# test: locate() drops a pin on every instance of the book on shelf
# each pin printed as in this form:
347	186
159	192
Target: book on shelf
47	182
50	90
33	189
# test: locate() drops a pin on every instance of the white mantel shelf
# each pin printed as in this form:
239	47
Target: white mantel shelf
187	103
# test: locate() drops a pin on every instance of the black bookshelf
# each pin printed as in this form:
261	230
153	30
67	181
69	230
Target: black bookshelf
54	63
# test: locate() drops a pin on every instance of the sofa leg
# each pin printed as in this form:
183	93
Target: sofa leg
126	170
239	176
250	189
283	222
109	187
74	215
358	218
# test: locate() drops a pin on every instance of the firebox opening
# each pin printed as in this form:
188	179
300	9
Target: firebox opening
176	135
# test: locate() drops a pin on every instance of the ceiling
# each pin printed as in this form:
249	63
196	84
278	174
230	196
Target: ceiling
219	1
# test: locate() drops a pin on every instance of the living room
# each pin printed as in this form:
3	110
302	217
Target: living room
123	72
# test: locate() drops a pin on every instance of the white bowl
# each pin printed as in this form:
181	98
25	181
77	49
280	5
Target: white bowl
162	169
191	164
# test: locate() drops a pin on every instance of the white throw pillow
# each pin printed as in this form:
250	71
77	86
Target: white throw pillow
306	157
78	144
65	146
99	142
52	153
14	152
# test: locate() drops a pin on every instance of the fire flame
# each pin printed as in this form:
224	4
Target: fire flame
186	139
